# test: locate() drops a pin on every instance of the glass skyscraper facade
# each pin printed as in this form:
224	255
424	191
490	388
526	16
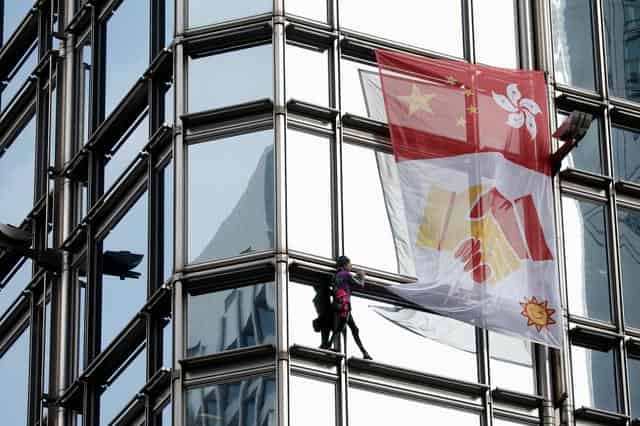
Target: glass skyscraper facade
200	164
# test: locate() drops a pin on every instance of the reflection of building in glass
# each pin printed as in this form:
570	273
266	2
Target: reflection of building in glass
623	48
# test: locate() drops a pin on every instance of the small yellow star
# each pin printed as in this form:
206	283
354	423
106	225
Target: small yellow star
452	80
472	109
417	101
468	92
461	122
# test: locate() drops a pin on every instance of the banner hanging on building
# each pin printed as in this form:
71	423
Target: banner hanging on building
472	152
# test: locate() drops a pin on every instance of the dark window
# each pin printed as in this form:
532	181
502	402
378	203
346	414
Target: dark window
594	378
587	155
626	153
629	241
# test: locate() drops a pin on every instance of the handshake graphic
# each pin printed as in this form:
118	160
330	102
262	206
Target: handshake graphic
485	231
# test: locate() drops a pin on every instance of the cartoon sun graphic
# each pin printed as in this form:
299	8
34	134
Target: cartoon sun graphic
537	313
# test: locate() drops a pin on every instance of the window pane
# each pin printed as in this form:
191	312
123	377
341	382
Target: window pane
495	32
125	152
312	402
365	210
14	376
230	78
305	66
301	313
237	217
167	186
623	47
511	363
449	345
165	416
626	153
633	365
123	389
17	165
585	239
367	408
19	76
167	345
312	9
353	99
250	402
168	104
124	289
587	155
594	383
230	319
205	12
125	61
309	193
573	43
84	105
13	285
629	240
14	12
168	22
440	22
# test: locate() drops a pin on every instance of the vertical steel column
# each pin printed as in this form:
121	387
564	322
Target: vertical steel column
280	128
64	342
179	203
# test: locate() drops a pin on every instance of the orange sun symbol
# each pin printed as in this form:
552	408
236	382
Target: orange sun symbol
537	313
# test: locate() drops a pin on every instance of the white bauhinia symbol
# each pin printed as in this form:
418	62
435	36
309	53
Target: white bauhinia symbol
521	110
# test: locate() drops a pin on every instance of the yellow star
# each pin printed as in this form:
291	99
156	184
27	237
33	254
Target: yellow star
472	109
452	80
417	101
468	92
461	121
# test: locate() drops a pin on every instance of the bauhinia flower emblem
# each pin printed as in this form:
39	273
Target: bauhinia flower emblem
522	110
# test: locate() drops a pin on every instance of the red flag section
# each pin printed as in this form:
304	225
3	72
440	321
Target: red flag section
440	108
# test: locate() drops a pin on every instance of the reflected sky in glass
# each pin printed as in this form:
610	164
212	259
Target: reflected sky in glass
626	153
621	25
19	76
17	165
167	183
169	19
309	193
125	61
585	240
126	153
85	89
12	287
14	376
167	345
14	12
573	53
305	66
230	78
312	402
495	32
352	95
301	313
206	12
230	319
594	382
440	22
511	363
312	9
237	217
629	241
586	156
121	299
368	408
123	389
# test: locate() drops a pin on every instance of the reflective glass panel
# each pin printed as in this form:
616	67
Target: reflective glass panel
633	365
230	319
80	318
13	285
622	23
19	76
238	216
123	388
17	165
440	22
165	416
586	156
305	65
230	78
626	153
167	345
14	376
301	313
368	239
594	382
353	97
125	61
250	402
167	216
84	105
312	9
449	345
585	239
368	408
168	21
312	402
309	193
14	12
205	12
125	152
168	105
511	363
572	33
629	241
496	36
124	270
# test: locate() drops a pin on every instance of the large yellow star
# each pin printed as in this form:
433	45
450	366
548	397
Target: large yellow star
417	101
